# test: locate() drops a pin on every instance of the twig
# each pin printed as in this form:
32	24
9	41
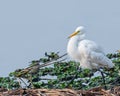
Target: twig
23	81
53	61
46	64
46	79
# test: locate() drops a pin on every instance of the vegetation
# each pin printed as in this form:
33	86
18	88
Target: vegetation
53	71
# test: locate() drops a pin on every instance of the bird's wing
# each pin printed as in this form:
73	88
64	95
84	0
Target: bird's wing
87	46
94	53
100	59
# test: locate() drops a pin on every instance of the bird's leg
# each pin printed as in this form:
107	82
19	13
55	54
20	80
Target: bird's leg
103	77
78	71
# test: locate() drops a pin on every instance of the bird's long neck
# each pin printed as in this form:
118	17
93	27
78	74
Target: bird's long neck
72	47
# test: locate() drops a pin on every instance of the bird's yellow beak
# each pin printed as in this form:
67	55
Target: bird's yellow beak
73	34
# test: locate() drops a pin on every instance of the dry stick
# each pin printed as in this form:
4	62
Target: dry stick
45	64
46	79
50	62
53	61
23	81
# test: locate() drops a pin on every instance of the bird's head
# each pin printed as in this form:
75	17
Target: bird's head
79	31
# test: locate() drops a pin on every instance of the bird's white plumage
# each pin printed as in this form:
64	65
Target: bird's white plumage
88	53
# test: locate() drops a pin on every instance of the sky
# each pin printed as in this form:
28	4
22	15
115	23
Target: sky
29	28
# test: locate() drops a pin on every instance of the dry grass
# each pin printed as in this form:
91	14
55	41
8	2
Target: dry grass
61	92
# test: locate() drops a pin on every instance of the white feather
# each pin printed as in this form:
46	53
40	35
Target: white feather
88	53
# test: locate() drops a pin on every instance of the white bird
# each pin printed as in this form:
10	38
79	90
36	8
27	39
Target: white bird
87	52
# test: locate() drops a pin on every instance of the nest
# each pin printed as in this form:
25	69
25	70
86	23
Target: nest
98	91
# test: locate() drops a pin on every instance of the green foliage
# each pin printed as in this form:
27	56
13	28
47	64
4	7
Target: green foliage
61	73
9	83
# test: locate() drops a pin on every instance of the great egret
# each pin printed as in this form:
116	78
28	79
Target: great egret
87	52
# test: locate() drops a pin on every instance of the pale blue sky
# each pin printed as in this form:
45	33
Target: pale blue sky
28	28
